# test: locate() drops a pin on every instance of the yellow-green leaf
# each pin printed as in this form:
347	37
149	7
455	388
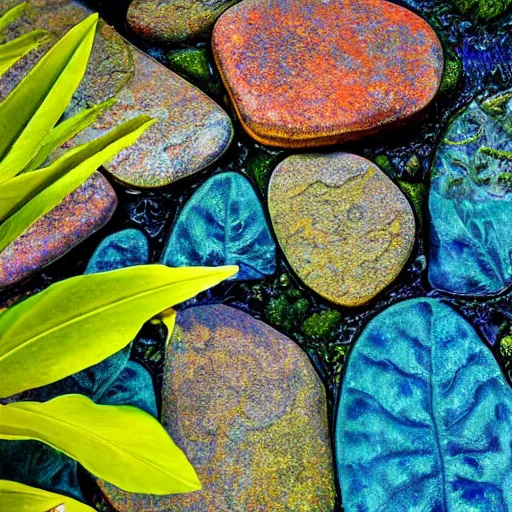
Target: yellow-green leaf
66	130
31	110
78	322
118	443
26	198
168	318
16	497
14	50
12	15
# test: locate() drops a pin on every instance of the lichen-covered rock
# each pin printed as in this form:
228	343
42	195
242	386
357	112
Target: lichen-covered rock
345	228
316	72
223	223
123	249
173	21
470	207
77	217
192	130
249	411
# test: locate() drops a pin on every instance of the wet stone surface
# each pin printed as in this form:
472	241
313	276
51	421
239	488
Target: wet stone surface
344	227
82	213
249	411
315	72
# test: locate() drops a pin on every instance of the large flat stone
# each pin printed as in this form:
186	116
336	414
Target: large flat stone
192	130
316	72
344	226
249	411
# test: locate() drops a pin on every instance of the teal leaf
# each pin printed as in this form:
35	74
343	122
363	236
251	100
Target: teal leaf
424	417
223	222
470	208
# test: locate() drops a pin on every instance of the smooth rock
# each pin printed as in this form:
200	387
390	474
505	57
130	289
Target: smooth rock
119	250
249	411
172	21
424	416
192	130
83	212
318	72
470	206
345	228
223	223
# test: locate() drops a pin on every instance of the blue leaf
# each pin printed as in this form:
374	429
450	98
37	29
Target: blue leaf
223	223
123	249
471	208
425	416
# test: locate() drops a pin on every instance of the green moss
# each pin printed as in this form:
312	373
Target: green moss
483	10
452	72
416	193
259	165
506	347
322	325
287	311
384	163
193	64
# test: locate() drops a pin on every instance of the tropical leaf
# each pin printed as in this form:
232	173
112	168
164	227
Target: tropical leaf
424	416
35	105
146	459
14	50
66	130
26	198
56	333
168	318
16	497
223	223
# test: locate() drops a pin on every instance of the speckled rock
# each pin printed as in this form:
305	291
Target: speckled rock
81	213
173	21
192	132
249	411
470	207
316	72
123	249
110	66
345	228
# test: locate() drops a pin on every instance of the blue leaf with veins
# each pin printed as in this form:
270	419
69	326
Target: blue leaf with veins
223	223
425	417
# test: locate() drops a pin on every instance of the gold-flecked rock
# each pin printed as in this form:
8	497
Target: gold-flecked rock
248	409
345	228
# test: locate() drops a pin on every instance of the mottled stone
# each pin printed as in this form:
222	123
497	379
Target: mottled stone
223	223
81	213
318	72
119	250
173	21
249	411
192	132
345	228
110	66
470	207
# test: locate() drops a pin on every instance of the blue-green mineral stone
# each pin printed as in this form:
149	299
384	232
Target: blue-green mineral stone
223	223
470	207
123	249
425	415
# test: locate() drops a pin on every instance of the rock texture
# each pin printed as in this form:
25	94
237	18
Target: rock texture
345	228
172	21
318	72
81	213
192	132
248	409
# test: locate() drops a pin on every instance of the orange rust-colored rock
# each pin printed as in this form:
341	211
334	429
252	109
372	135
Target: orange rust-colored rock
317	72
